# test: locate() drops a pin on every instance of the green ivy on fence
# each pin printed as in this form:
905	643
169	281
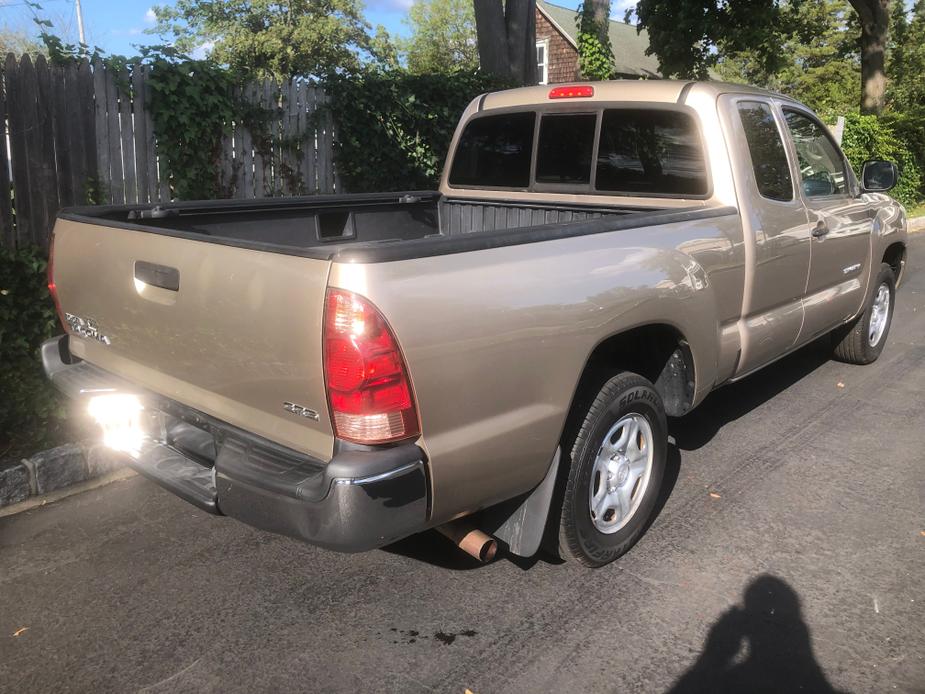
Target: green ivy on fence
31	413
394	128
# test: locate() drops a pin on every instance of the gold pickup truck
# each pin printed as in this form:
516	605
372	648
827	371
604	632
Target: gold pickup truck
498	356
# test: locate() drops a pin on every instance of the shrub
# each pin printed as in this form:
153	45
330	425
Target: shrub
394	128
870	137
31	412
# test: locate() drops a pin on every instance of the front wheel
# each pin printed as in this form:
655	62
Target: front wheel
861	341
617	464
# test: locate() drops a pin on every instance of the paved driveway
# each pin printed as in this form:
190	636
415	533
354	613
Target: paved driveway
789	554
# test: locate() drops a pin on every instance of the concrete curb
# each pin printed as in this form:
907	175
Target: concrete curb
54	469
916	224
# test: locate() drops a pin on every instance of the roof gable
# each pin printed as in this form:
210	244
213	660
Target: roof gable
629	47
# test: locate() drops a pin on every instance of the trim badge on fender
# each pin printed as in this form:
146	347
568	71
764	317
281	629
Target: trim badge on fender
86	327
306	412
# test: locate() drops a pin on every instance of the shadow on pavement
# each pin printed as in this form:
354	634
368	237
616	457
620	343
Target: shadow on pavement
736	400
763	646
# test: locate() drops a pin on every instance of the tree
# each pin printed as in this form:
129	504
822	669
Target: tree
688	36
267	37
906	59
820	59
595	54
443	36
507	39
18	42
875	29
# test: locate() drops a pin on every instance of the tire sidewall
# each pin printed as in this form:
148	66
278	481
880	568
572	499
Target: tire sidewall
885	276
639	399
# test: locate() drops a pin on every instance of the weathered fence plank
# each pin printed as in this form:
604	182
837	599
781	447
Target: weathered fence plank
88	171
102	131
117	174
124	96
140	135
6	207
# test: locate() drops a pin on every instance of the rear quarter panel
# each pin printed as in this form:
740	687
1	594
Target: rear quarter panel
497	339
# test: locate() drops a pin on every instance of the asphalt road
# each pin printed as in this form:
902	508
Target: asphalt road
789	556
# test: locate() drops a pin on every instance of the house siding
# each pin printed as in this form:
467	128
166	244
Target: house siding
563	56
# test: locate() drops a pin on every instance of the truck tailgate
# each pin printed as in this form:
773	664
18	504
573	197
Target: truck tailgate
239	336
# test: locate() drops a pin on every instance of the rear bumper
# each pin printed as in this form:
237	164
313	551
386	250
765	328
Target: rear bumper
359	500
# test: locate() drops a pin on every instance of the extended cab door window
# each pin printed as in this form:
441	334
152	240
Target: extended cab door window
821	165
766	149
495	151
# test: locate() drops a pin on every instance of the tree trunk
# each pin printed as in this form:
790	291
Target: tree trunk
507	38
875	26
600	10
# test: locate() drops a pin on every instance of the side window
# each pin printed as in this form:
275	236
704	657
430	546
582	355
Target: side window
821	165
565	148
769	160
495	151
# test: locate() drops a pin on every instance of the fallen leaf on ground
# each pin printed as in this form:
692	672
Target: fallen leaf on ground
922	533
715	495
839	385
19	631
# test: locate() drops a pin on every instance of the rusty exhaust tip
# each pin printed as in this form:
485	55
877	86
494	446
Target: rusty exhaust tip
470	540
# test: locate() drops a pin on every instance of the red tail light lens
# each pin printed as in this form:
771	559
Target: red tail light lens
52	289
573	92
368	386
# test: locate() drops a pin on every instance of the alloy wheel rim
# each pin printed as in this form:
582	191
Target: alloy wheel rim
880	311
621	473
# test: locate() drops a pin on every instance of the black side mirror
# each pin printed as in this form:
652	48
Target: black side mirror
878	176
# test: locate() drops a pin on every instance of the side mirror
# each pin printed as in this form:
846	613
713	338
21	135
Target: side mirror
878	176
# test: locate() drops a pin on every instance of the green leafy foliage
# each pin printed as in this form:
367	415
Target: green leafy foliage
870	137
270	38
595	54
443	37
192	105
818	60
31	413
689	37
394	128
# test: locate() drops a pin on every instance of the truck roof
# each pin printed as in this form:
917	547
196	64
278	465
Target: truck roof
659	91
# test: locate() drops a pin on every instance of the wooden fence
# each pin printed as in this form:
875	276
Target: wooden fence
82	133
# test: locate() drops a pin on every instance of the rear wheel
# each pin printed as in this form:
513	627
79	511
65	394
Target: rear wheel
861	341
617	464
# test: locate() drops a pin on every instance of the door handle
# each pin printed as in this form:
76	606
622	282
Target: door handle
157	275
820	230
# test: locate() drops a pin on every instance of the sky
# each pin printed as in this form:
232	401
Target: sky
117	26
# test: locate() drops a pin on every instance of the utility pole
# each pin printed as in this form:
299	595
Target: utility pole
80	23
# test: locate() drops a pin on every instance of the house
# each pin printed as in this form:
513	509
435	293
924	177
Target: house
557	47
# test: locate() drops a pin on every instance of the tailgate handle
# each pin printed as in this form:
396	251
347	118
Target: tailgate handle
157	275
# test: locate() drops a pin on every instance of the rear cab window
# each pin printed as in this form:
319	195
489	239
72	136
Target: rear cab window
638	151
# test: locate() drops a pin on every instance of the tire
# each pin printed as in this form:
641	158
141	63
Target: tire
597	539
862	340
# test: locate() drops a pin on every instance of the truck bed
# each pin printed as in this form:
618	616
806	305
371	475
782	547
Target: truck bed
323	226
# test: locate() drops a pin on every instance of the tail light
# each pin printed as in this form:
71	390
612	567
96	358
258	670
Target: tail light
52	288
368	386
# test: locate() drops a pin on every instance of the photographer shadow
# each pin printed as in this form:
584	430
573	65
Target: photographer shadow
763	646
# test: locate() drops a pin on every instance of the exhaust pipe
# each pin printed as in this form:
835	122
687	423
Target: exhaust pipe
470	540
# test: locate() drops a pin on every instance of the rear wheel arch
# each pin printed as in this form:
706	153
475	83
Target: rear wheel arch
659	352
